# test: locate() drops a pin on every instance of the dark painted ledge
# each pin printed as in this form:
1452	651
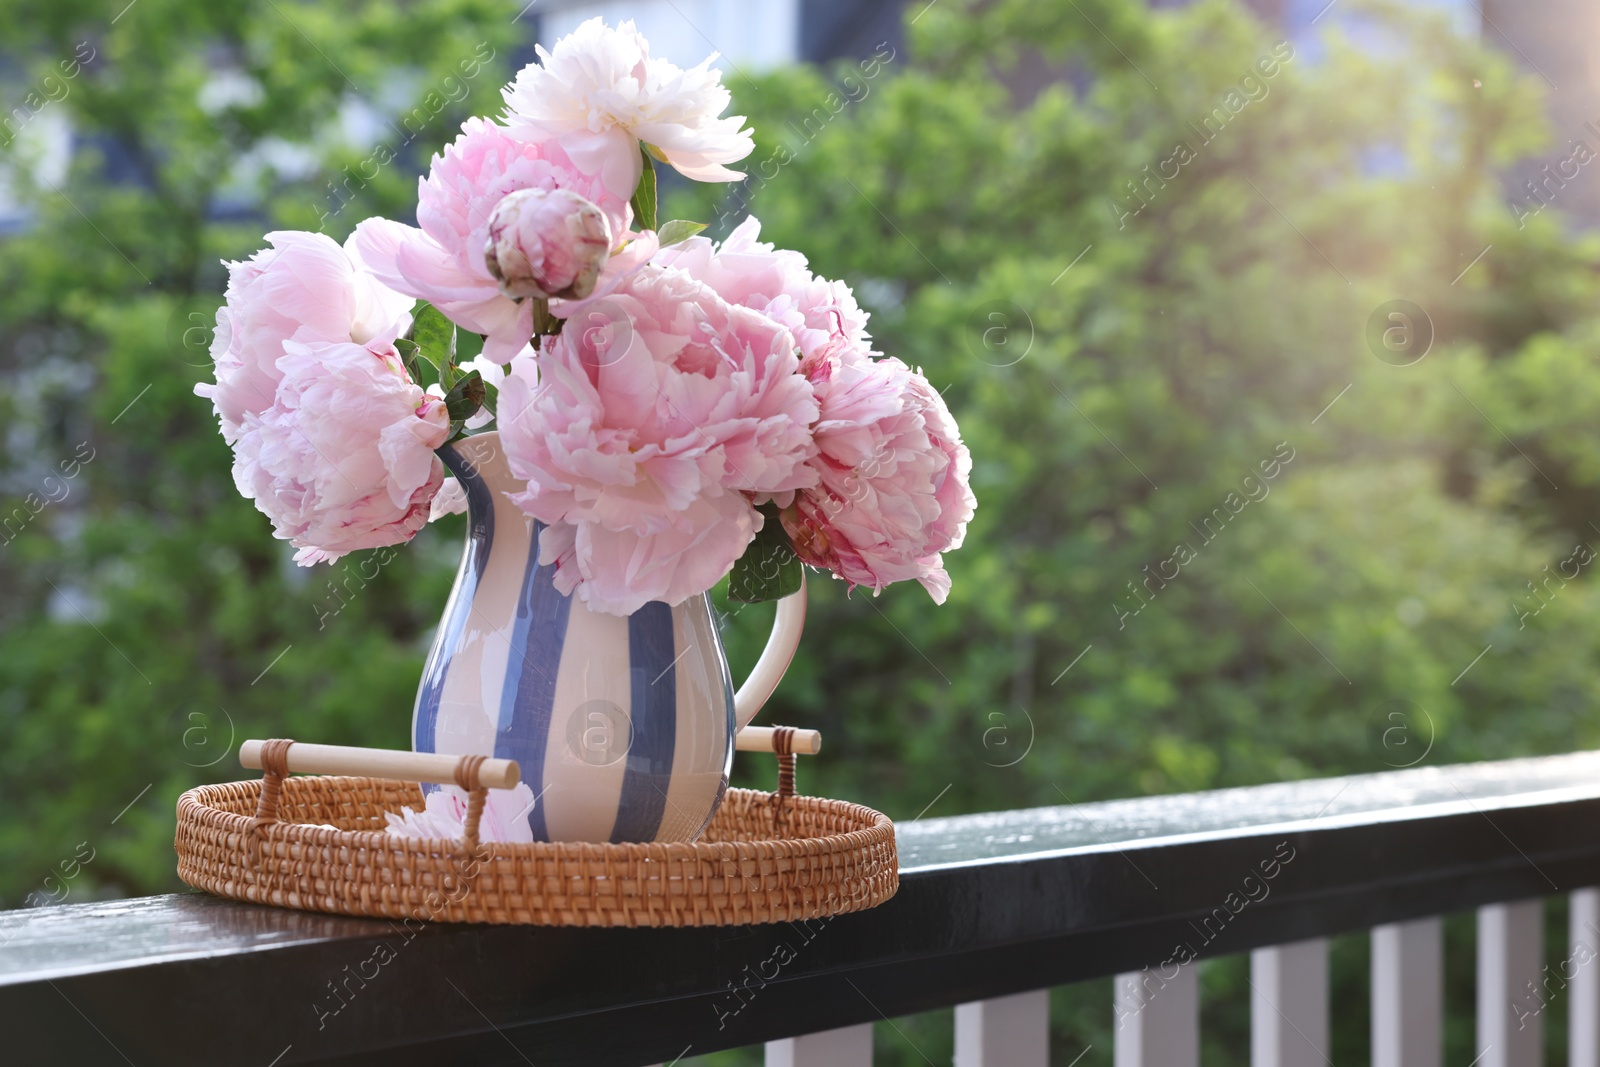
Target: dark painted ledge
988	905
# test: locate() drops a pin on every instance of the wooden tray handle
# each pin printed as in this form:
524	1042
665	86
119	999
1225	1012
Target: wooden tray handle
428	767
281	757
301	758
763	739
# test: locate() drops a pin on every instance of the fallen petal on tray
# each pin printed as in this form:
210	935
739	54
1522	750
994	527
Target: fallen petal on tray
505	816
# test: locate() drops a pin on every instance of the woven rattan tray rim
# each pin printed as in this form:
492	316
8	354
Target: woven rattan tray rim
198	805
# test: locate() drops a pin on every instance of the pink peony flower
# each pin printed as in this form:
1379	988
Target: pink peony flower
444	816
599	94
547	243
344	458
893	476
894	489
660	416
304	288
776	282
443	261
828	325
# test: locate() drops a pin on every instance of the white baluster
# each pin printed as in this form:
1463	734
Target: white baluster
1510	955
1289	1005
849	1046
1004	1032
1408	994
1583	965
1158	1018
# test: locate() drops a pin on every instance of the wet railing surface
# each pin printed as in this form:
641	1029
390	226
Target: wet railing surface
990	905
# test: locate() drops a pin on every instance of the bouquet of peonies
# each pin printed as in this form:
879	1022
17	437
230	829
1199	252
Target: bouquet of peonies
680	409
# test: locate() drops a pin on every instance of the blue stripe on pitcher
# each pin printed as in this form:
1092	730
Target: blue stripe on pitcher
528	700
480	538
652	655
641	796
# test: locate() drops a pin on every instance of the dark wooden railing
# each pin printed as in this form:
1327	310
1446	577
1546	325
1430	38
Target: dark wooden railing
991	909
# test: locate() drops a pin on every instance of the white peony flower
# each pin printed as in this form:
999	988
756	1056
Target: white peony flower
599	93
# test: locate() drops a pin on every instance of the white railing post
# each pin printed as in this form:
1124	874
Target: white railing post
1583	1014
1408	994
1158	1018
849	1046
1289	1005
1510	955
1004	1032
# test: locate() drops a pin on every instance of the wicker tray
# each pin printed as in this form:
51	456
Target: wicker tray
765	858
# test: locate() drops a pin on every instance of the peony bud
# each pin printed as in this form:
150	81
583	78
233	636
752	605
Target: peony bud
547	243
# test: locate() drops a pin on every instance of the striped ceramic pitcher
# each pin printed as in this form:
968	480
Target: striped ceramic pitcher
623	726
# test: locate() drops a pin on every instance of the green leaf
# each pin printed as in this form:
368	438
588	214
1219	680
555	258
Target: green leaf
769	568
408	350
435	337
644	197
678	230
466	397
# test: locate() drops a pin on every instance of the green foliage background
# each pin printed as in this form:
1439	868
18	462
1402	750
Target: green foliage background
1140	367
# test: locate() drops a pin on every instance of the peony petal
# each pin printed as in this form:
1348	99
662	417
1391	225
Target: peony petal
611	154
452	500
376	244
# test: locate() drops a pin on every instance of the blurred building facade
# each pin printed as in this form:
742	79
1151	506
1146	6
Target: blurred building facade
1557	41
748	36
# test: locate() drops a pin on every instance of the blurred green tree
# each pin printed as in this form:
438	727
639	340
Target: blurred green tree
1136	282
1131	366
148	619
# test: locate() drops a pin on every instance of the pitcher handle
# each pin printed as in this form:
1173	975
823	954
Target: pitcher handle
775	658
